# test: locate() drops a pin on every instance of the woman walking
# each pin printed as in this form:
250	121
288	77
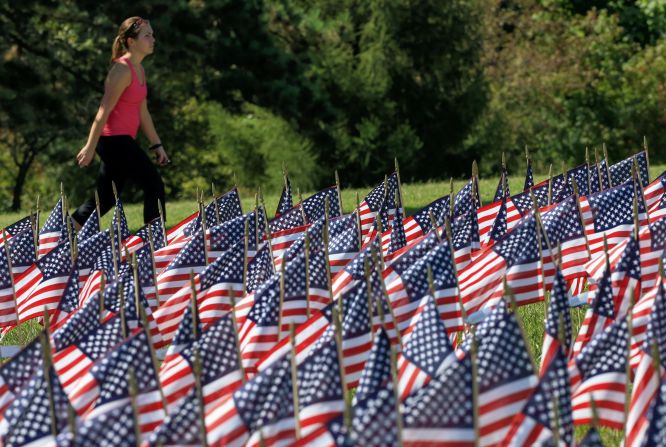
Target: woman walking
113	134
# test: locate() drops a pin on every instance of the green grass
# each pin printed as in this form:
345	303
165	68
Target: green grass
415	196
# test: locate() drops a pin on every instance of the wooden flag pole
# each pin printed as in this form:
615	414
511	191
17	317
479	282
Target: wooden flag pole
198	386
160	207
306	242
99	214
151	247
46	365
452	199
256	219
245	248
102	286
234	322
339	188
368	288
217	205
556	420
475	184
610	179
598	169
327	262
358	222
135	409
475	386
121	310
114	256
397	173
337	324
396	394
267	227
433	222
627	390
550	184
647	154
202	213
281	304
587	162
294	381
35	233
300	205
73	248
514	307
637	181
580	213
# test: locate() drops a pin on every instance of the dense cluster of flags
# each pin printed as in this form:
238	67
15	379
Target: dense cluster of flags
316	327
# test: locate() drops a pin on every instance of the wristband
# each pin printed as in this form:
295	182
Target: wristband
155	146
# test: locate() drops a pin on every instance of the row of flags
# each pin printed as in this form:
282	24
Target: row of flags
267	325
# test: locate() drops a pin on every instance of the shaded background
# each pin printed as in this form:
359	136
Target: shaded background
239	87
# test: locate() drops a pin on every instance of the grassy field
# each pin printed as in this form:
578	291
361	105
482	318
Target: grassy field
415	196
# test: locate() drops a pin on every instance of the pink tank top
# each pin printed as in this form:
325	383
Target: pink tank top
125	117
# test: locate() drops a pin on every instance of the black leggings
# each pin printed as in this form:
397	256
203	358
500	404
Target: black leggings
123	159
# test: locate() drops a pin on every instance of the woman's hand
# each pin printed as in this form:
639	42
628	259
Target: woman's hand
85	156
161	156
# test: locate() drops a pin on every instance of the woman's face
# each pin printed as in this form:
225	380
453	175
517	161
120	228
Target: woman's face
143	43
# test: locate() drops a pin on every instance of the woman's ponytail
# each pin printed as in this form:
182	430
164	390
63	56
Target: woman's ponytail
117	49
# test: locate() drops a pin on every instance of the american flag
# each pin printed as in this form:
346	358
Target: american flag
17	227
84	339
314	206
8	315
380	408
381	196
89	251
620	172
655	432
109	385
319	387
397	238
611	214
28	417
598	316
354	272
603	367
227	207
142	237
581	174
465	238
285	230
49	235
263	404
467	199
115	427
259	269
406	283
111	297
182	426
69	302
176	233
539	419
177	274
119	222
529	176
647	378
15	374
212	286
655	199
90	228
442	412
500	191
377	370
426	351
419	224
224	236
515	259
343	242
285	203
558	310
505	373
626	278
42	285
220	372
499	227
